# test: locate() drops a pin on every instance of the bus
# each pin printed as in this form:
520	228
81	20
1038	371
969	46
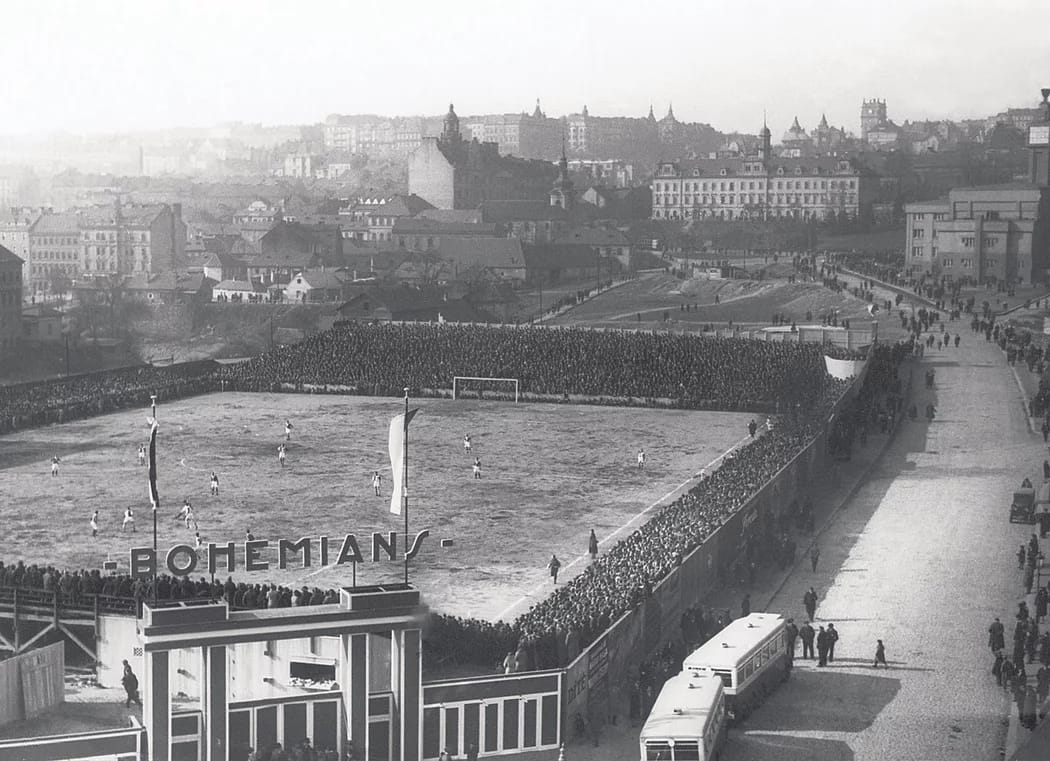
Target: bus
688	720
751	658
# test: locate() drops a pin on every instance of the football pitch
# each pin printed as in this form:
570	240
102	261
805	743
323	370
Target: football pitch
550	473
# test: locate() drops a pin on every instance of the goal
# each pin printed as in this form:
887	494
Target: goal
475	385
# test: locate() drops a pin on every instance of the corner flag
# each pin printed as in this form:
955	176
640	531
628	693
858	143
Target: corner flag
154	498
398	434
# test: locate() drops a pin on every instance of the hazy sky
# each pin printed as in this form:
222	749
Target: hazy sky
117	65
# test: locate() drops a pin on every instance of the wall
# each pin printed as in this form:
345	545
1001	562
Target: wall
430	176
257	671
31	683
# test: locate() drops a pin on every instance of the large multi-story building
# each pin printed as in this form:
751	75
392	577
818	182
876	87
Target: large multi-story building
452	173
761	186
377	135
530	136
988	234
14	234
54	250
10	300
123	239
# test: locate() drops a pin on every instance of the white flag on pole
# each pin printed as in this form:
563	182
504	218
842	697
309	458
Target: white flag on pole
398	431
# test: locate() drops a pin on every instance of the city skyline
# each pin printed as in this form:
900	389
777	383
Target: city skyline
122	66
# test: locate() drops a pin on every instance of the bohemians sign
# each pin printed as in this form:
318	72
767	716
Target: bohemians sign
183	559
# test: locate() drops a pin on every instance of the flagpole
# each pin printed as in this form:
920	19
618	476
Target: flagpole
404	485
156	564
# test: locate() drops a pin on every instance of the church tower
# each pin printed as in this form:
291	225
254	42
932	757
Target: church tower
872	113
450	134
563	193
765	144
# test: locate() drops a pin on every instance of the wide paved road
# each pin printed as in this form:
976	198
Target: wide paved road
923	558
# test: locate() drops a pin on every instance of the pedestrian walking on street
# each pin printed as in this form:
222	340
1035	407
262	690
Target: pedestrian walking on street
592	545
1006	676
1046	430
822	647
996	636
814	556
130	683
809	600
997	669
1046	470
880	655
833	637
1042	683
745	606
1021	554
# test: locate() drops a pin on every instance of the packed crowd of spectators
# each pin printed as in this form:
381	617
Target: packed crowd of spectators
382	359
27	405
727	373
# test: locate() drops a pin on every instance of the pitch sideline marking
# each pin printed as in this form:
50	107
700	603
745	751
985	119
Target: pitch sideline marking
529	595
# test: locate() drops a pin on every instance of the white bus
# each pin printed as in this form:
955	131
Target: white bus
687	722
751	658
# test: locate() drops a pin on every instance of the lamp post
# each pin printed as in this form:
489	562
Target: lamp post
153	465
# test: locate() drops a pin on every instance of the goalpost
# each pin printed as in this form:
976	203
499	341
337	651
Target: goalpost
458	379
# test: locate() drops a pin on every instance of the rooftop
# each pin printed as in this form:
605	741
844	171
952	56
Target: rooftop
734	642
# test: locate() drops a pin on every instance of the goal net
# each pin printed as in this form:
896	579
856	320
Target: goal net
476	388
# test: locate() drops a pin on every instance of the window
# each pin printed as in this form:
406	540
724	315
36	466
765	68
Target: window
968	241
918	233
939	217
916	251
990	241
966	263
946	262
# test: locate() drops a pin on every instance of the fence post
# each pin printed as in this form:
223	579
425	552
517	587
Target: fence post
18	637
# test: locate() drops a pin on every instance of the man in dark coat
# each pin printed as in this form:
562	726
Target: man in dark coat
822	647
792	634
996	636
833	637
807	634
130	683
809	600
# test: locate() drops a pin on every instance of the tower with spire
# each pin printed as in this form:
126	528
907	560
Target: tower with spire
563	192
668	127
450	134
765	143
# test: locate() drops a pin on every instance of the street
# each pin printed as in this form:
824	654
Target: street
922	558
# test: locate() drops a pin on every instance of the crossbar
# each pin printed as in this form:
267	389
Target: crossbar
457	378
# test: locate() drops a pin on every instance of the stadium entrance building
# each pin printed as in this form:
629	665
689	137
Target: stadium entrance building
212	632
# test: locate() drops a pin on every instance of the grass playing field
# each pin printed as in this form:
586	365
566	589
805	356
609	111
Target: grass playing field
550	474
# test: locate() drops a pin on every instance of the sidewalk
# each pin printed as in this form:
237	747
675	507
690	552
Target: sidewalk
619	741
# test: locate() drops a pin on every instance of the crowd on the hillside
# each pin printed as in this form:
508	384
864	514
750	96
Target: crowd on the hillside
379	359
27	405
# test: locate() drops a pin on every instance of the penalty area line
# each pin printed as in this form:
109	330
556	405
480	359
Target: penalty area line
605	540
